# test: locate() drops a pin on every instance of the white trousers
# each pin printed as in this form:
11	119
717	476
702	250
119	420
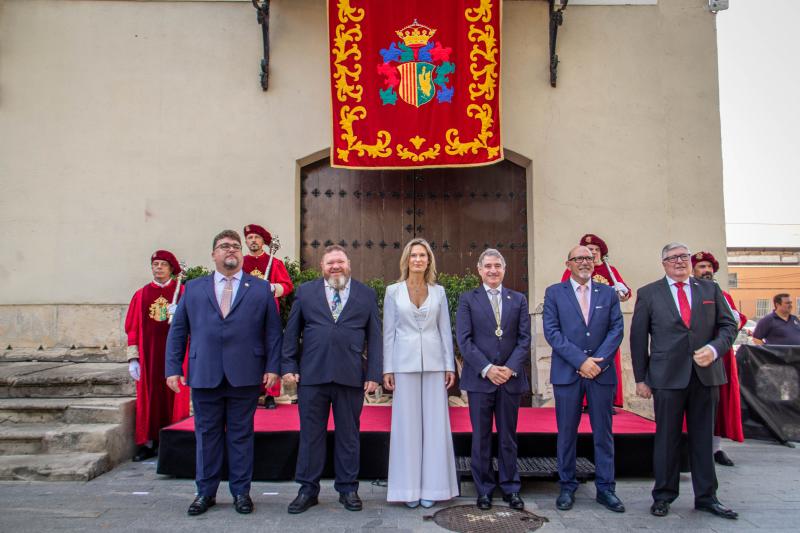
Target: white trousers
421	460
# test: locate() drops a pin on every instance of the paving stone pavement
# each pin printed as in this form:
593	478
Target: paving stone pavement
764	487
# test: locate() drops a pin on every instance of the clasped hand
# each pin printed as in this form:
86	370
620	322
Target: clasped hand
449	380
499	374
590	369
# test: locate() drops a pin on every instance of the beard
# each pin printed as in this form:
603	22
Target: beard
231	262
708	275
255	247
338	281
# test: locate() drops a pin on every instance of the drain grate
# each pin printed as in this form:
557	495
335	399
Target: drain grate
470	519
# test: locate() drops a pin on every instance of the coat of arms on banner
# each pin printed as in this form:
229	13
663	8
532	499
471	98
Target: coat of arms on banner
415	67
415	83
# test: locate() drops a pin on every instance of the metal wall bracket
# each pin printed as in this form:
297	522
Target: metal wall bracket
557	8
262	6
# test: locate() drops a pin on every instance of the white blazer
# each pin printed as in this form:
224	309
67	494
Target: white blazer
407	347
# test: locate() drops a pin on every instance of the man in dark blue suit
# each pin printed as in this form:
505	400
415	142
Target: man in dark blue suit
235	347
493	330
583	324
336	317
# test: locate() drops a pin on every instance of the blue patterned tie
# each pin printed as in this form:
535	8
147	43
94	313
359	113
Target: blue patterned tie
336	306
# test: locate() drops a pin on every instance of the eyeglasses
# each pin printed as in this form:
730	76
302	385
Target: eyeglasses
228	246
582	259
675	258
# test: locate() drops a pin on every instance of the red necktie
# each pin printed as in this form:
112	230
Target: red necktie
683	304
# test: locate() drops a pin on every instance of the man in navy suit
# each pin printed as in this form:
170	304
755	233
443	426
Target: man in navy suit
493	330
583	324
235	347
336	317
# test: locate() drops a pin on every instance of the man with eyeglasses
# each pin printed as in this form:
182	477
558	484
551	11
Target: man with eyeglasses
236	341
680	329
583	324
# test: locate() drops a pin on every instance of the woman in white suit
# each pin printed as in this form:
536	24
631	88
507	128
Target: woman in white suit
418	366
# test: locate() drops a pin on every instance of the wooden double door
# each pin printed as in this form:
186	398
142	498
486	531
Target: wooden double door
374	213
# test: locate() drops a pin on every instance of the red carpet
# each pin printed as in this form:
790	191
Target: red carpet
377	419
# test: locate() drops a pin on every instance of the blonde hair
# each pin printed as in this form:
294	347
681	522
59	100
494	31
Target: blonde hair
430	271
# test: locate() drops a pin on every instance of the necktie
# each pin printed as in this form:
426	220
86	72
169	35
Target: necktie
495	305
336	306
583	290
683	304
227	297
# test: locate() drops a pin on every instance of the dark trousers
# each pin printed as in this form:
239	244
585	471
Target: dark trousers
699	404
223	421
314	403
503	407
568	416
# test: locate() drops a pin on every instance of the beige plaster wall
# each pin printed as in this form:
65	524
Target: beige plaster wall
129	126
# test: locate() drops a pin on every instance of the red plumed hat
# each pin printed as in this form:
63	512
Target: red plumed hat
590	238
169	257
258	230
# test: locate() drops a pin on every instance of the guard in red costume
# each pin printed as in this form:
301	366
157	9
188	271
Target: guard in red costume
256	264
147	325
729	408
601	274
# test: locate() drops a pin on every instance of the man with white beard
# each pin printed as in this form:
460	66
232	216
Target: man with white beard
336	317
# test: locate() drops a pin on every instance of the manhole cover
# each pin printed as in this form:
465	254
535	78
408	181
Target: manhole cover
470	519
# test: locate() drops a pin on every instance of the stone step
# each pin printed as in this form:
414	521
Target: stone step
70	355
54	467
64	379
31	439
66	410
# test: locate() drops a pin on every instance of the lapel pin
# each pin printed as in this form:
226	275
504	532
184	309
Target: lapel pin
246	284
508	297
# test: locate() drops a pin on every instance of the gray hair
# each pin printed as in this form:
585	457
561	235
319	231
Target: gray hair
491	252
673	246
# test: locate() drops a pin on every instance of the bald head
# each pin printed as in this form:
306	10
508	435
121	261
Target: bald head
580	263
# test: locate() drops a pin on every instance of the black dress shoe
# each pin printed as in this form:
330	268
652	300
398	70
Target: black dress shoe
243	504
484	502
200	505
302	503
269	403
144	452
565	500
659	508
609	500
721	458
351	501
719	510
514	501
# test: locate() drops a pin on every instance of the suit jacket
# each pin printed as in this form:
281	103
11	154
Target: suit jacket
330	352
407	347
241	347
573	340
475	333
662	346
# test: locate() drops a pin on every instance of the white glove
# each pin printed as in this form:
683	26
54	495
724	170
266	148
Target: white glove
133	369
619	287
171	309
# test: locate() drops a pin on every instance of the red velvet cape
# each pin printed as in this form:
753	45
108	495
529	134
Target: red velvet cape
156	405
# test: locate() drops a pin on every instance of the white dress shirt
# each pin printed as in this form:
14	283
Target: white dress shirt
575	286
687	288
344	293
219	285
499	309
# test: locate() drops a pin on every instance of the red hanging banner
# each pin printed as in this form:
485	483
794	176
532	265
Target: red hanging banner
415	83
